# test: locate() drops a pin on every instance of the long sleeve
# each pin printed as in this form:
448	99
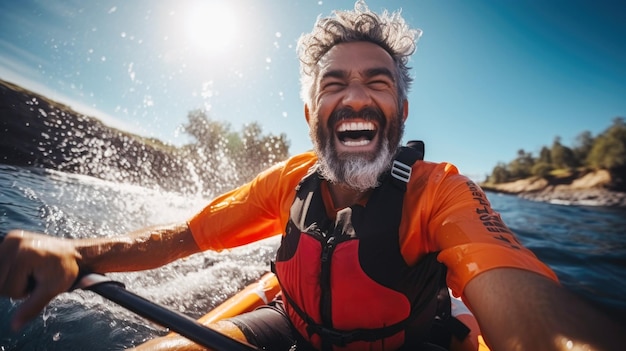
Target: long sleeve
254	211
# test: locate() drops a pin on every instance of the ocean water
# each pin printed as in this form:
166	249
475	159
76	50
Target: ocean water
586	246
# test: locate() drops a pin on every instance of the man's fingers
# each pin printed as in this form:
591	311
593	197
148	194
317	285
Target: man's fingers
37	267
15	285
13	281
31	307
7	257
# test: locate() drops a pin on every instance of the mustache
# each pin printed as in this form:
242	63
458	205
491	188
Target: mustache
369	113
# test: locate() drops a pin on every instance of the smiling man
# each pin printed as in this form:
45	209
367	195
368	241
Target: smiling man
371	234
354	116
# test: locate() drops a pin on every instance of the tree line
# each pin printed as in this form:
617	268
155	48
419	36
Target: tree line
605	151
222	157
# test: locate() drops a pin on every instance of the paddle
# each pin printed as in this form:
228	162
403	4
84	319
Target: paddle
175	321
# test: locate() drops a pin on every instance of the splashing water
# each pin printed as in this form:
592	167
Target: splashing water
77	206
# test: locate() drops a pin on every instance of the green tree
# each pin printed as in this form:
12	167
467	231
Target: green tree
209	134
609	148
541	169
222	157
545	156
500	174
259	151
561	155
582	148
521	167
207	157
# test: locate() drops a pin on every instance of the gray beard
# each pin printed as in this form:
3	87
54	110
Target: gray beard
360	172
355	171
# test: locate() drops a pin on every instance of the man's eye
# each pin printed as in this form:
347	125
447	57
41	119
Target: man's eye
378	84
332	85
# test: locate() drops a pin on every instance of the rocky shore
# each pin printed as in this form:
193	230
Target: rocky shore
589	189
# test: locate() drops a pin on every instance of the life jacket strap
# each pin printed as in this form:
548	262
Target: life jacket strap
344	337
403	163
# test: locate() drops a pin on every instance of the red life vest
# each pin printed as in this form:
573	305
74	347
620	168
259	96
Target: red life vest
345	282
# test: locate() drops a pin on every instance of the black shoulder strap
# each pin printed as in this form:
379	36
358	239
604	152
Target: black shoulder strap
406	157
417	145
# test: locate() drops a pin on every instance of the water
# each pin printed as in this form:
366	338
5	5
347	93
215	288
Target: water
78	206
585	246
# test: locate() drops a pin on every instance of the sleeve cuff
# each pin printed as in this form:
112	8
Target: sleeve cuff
466	261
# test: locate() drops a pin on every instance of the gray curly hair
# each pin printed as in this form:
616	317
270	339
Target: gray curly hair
388	30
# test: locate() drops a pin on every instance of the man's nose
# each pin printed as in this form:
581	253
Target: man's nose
356	96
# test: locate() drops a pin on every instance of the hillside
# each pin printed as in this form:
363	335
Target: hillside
38	132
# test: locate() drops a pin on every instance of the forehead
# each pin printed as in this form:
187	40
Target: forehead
355	57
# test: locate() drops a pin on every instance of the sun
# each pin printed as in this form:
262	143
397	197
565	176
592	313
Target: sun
211	26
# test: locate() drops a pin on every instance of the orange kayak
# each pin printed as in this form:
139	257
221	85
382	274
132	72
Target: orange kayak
266	289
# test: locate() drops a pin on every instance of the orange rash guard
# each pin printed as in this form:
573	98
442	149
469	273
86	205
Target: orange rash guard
443	211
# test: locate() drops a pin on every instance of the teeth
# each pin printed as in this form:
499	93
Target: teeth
356	143
353	126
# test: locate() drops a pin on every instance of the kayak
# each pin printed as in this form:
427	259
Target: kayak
266	289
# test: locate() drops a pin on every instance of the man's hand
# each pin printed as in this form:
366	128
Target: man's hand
48	262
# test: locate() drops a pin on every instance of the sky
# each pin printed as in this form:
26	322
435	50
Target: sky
490	77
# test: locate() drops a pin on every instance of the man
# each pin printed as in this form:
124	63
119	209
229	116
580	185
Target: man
369	231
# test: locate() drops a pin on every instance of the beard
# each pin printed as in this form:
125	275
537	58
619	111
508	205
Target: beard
359	171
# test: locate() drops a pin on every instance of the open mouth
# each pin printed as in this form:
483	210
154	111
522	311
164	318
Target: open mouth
356	133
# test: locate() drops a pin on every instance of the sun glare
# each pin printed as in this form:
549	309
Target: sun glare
211	27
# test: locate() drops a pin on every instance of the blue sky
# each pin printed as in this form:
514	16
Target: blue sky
491	77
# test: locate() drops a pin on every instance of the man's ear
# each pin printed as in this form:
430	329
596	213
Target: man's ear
405	110
307	113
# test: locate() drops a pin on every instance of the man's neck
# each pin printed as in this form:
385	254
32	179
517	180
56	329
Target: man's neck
344	196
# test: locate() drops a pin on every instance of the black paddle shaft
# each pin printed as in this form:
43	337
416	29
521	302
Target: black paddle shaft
173	320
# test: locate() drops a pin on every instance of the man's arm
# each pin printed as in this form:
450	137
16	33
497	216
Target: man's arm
522	310
54	263
146	248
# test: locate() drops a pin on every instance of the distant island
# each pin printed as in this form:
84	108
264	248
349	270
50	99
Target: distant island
590	173
38	132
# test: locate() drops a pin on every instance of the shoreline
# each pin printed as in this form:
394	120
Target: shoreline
592	189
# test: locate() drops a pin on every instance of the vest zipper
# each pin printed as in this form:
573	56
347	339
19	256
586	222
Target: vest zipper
325	302
325	299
